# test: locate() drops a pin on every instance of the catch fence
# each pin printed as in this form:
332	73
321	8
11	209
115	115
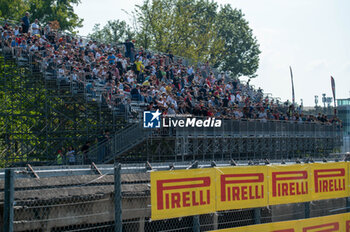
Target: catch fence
117	198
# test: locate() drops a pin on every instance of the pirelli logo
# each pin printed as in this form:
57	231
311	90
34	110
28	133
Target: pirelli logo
289	183
329	180
182	193
240	187
200	191
189	192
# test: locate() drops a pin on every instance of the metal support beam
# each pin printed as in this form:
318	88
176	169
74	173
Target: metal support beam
118	226
257	216
196	222
307	209
215	221
142	224
8	203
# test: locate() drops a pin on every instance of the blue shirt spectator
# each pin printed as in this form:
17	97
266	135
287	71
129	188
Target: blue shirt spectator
111	58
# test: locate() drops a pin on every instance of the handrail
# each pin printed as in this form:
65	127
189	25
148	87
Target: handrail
131	136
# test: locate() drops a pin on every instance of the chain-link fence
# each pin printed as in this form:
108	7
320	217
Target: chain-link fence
118	199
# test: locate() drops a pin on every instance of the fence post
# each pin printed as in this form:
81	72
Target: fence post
8	203
307	209
196	222
257	216
118	226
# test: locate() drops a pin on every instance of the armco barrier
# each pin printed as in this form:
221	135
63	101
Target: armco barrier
201	191
334	223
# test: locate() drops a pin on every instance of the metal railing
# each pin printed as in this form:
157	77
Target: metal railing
135	134
122	141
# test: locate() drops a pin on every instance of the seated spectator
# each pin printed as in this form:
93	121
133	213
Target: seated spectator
157	80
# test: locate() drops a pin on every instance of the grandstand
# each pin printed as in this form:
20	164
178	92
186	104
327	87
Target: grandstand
78	156
62	91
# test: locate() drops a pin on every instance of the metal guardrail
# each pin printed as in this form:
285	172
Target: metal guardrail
107	169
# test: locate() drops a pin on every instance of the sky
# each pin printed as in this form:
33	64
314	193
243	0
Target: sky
311	36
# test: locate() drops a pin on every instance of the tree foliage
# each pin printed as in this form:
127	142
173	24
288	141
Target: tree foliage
241	53
44	10
114	31
196	29
185	27
200	30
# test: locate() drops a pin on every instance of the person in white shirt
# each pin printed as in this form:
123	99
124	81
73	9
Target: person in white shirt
233	98
94	45
124	64
238	97
130	79
98	55
16	31
36	27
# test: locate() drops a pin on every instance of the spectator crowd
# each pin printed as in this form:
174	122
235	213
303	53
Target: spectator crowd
121	74
124	74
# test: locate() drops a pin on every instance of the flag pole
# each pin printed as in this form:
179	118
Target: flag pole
333	91
291	77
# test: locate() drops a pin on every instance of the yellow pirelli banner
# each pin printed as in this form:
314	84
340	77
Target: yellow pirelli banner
289	184
329	180
241	187
334	223
180	193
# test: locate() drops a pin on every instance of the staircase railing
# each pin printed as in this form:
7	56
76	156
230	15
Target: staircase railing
119	143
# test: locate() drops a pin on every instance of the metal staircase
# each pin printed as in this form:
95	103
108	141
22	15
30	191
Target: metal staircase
121	142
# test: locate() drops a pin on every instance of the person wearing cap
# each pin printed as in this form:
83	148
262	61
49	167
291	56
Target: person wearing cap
59	158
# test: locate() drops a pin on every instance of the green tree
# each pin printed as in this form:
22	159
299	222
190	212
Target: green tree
50	10
114	31
200	30
185	27
241	53
14	9
44	10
